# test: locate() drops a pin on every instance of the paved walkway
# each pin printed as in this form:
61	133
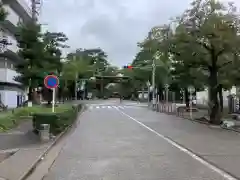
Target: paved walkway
21	136
130	144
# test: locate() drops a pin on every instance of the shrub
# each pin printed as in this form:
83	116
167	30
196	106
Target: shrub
12	118
58	121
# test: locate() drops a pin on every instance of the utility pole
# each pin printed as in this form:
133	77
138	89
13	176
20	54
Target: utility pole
102	84
76	79
153	74
153	81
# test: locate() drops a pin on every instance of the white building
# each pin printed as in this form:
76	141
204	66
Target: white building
11	92
202	96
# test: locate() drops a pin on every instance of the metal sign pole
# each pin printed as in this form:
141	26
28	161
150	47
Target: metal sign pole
52	82
53	100
190	106
148	85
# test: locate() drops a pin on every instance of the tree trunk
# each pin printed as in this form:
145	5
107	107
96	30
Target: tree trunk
220	95
35	97
213	87
186	96
30	94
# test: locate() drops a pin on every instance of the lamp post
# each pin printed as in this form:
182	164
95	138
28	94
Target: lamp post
156	57
166	95
76	78
183	95
166	89
148	85
153	82
191	89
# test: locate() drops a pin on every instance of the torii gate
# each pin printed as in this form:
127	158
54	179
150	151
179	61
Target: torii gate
119	78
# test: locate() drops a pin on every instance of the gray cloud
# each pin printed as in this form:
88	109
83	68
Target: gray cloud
114	25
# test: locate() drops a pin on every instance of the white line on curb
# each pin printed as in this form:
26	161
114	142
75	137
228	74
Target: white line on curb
181	148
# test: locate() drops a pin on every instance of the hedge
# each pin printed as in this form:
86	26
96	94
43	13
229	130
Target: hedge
12	118
58	121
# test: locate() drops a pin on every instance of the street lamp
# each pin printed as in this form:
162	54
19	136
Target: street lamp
166	89
191	90
148	85
183	95
166	96
155	57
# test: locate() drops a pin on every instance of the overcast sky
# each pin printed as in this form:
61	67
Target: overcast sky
114	25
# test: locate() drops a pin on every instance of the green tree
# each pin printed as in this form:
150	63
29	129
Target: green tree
77	66
3	13
98	59
111	71
152	49
205	33
41	54
31	50
53	43
3	16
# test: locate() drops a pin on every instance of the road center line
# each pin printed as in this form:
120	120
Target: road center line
181	148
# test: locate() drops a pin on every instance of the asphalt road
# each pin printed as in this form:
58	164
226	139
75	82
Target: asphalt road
128	142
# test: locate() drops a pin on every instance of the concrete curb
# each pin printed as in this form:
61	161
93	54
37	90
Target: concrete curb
41	157
230	129
209	125
202	122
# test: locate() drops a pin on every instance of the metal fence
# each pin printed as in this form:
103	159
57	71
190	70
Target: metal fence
172	106
180	110
169	105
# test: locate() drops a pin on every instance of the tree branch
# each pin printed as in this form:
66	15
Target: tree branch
204	45
220	52
224	64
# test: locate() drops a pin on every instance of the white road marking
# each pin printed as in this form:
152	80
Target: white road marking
91	107
181	148
13	133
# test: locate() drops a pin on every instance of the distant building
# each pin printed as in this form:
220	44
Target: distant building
11	92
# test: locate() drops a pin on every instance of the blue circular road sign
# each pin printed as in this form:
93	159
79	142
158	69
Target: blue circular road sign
51	81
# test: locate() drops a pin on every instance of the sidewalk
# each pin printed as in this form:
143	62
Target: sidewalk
216	145
16	166
21	136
